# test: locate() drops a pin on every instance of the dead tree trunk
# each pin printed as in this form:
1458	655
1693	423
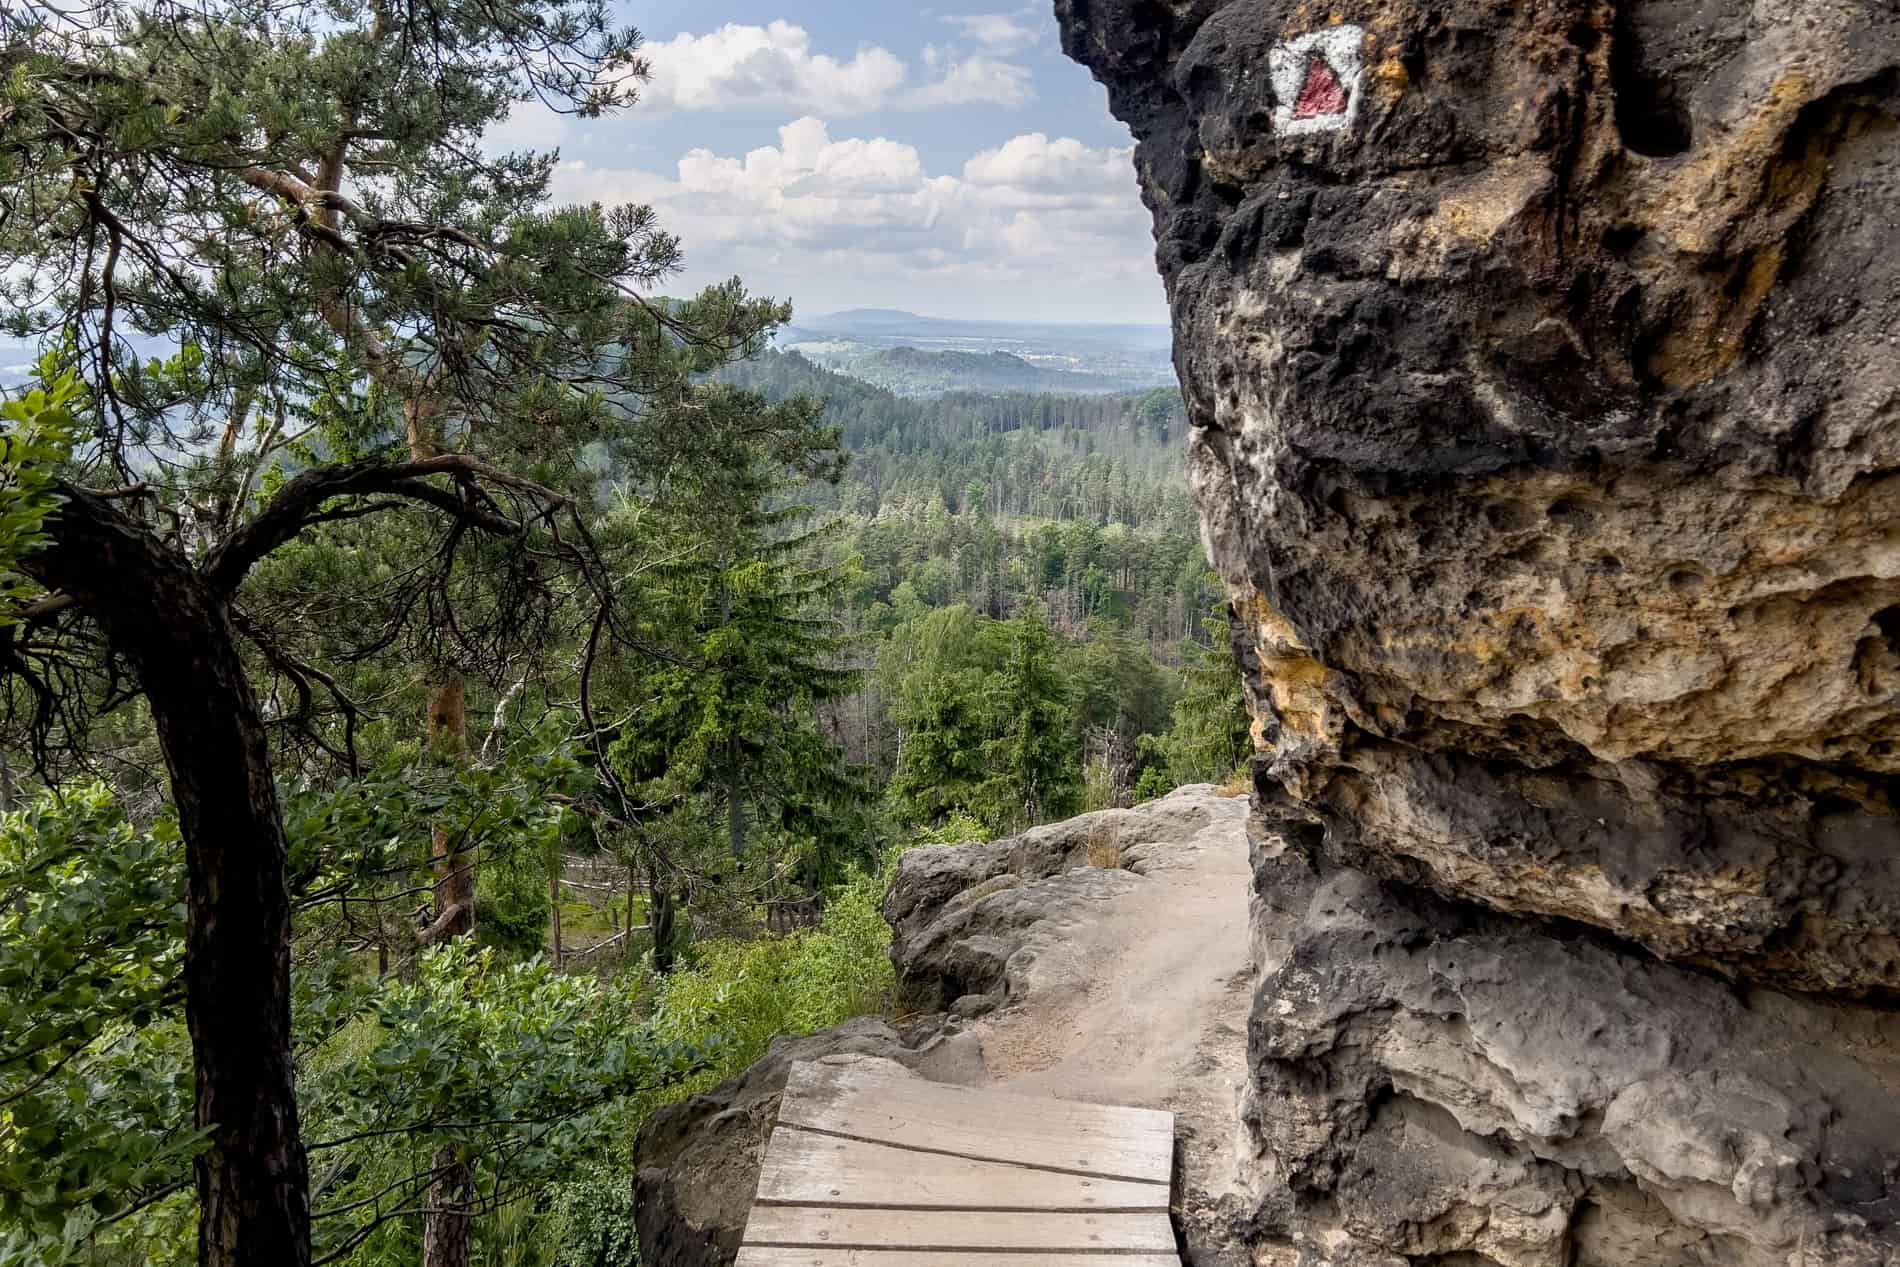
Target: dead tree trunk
660	914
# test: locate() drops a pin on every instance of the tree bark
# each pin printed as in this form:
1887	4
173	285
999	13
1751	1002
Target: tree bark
448	1231
175	630
735	799
660	914
445	1233
454	870
554	914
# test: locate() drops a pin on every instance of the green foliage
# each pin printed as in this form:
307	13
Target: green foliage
728	721
513	1066
591	1222
41	428
732	1000
746	993
1211	736
988	721
95	1089
512	902
1034	771
511	1062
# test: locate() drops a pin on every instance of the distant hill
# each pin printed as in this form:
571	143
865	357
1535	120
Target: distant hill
893	323
1043	455
867	319
928	356
916	372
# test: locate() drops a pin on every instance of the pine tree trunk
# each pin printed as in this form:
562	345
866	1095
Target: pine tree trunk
252	1179
454	869
445	1234
735	800
448	1231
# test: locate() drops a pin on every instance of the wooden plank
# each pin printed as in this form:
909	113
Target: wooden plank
760	1256
813	1227
1094	1139
803	1168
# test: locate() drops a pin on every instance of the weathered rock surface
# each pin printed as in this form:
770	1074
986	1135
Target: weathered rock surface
1433	1079
696	1163
1546	382
972	923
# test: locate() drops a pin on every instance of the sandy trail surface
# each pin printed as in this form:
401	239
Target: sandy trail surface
1145	1004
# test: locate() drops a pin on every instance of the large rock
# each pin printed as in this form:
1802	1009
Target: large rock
1546	389
1434	1079
972	923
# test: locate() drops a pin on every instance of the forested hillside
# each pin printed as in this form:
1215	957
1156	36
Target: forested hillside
972	522
453	699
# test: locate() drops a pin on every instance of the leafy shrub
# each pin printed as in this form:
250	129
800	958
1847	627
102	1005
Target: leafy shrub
729	1003
746	993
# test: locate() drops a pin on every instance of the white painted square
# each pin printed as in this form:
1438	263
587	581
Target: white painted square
1291	65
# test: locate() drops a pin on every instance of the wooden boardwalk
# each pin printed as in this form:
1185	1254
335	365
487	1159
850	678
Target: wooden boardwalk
869	1170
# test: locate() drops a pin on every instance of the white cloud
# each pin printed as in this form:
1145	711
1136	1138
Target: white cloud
1035	163
997	32
775	66
830	222
977	80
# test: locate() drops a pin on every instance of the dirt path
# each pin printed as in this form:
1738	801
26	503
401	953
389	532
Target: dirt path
1152	1005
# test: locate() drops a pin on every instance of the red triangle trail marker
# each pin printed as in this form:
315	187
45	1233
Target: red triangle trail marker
1317	80
1322	93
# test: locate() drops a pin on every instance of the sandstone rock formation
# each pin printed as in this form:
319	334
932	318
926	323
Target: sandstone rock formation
971	922
1545	367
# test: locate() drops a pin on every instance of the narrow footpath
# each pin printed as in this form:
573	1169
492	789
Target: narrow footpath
1160	1018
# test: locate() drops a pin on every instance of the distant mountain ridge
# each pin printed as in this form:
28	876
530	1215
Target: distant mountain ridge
912	371
915	355
898	321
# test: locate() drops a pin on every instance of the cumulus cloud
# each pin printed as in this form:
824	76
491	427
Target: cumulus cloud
977	80
775	65
997	32
1035	163
825	219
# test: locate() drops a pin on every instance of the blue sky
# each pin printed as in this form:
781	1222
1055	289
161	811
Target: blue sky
849	154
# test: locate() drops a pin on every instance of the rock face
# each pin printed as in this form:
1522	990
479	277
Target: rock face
1545	367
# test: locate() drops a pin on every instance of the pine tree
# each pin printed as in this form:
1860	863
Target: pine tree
291	198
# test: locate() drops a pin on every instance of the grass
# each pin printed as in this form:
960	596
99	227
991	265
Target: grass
989	888
1105	847
1239	783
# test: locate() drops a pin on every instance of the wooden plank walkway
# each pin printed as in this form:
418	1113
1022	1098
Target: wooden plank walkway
869	1170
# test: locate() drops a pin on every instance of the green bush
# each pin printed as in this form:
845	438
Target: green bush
743	994
733	999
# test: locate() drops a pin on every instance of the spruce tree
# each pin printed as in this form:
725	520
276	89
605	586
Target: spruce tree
1035	761
728	722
